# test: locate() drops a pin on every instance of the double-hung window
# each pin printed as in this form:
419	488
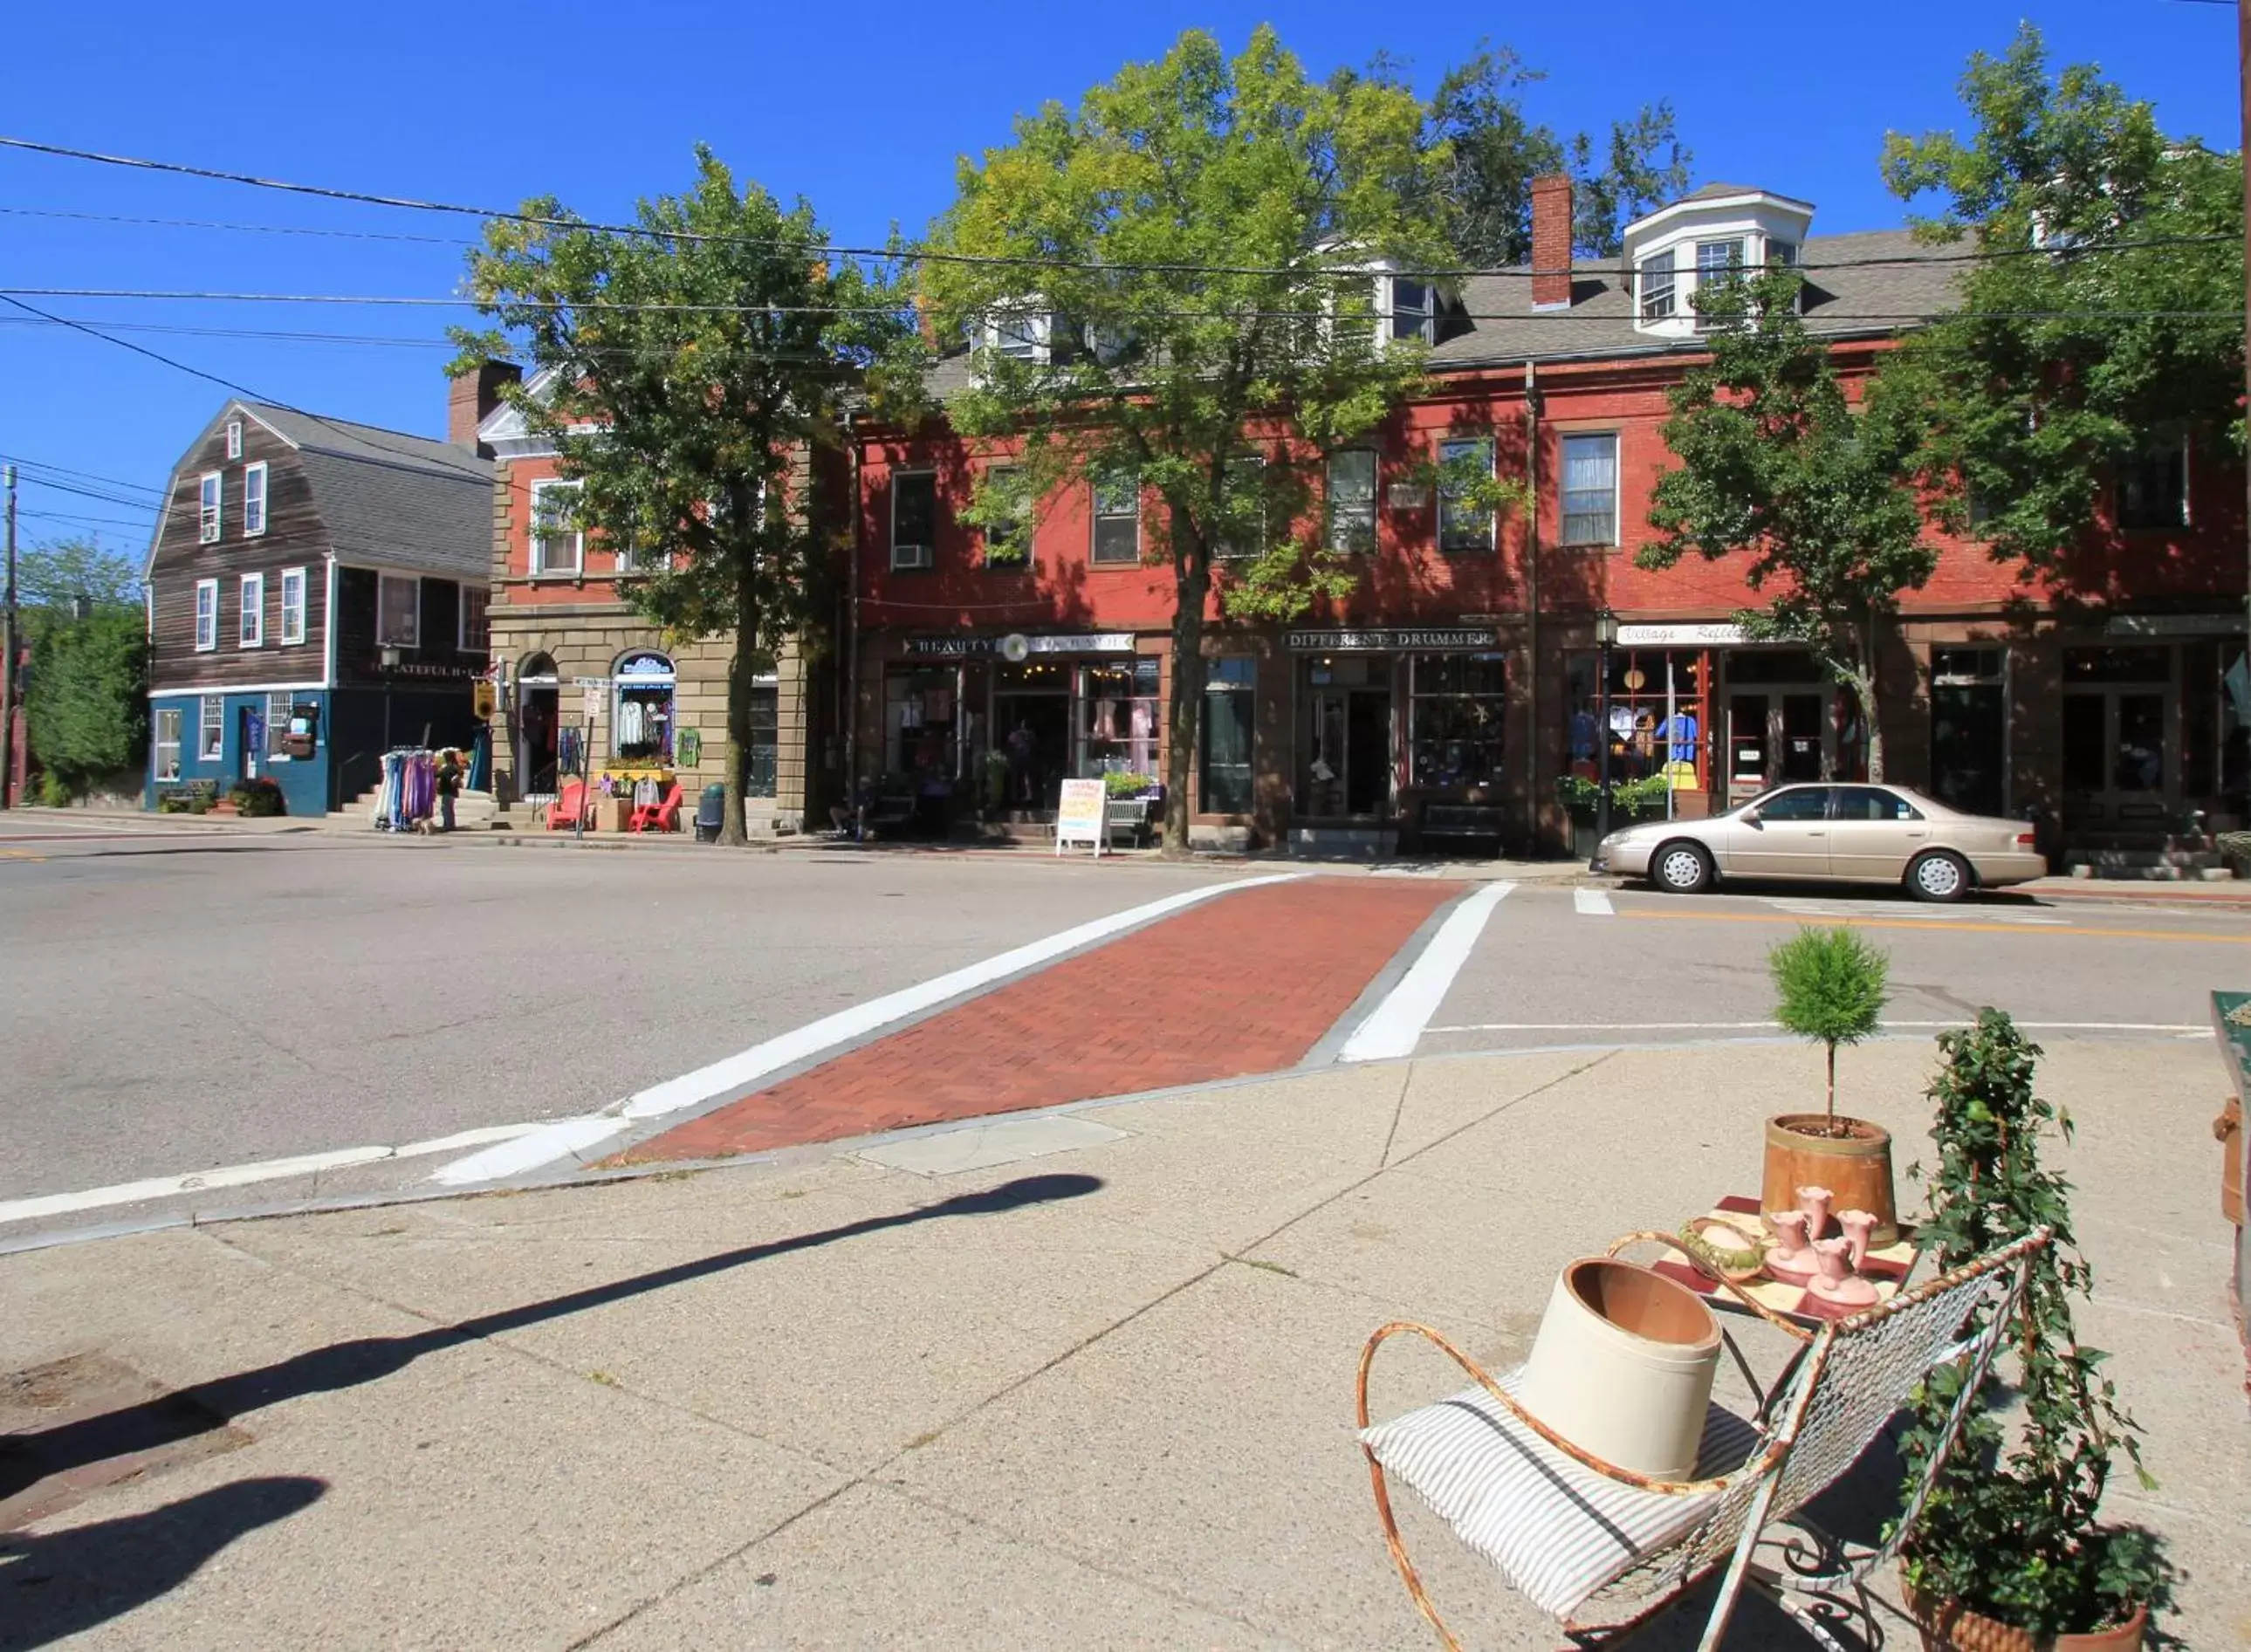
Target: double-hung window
1230	707
209	510
234	439
475	637
1590	488
1413	306
2153	486
1007	544
1352	501
1465	520
1660	286
211	736
558	546
207	615
398	612
293	605
1118	520
251	633
1717	263
1242	531
279	707
253	500
914	519
167	743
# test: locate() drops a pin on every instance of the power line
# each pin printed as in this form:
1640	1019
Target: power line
247	229
87	493
913	253
89	521
82	475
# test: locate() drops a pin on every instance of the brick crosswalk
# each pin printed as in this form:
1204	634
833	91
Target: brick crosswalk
1245	984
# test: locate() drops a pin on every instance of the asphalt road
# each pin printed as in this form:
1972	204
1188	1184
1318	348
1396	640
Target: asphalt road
177	997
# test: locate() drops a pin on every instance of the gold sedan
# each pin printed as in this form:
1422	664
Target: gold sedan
1831	834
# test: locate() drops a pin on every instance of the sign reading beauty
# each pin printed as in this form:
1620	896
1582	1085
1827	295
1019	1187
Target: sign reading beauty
1104	642
1376	641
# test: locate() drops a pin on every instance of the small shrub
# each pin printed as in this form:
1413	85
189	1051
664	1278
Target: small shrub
258	798
1124	784
54	790
1830	986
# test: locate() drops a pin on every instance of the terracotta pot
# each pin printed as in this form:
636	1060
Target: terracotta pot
1953	1627
1623	1366
1855	1168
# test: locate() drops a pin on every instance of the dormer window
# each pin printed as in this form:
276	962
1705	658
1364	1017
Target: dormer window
1022	336
1660	286
1414	309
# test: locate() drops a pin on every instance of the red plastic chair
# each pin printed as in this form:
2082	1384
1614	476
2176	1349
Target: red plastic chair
563	813
663	815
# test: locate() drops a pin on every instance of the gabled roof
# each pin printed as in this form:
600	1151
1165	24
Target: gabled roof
384	497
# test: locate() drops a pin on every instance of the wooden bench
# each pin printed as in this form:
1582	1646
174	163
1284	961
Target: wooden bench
1470	822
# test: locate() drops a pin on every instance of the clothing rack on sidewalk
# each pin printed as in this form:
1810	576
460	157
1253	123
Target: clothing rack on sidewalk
409	791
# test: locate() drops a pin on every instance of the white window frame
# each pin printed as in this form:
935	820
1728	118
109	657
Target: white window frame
1425	314
413	638
1563	490
1020	540
293	614
253	500
170	716
207	615
1653	287
461	643
1493	516
277	728
1734	268
210	507
538	562
1130	487
250	614
915	556
1363	513
1255	464
210	720
234	439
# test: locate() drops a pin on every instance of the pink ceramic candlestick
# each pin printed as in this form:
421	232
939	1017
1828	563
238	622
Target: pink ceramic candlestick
1858	1226
1814	1201
1837	1282
1788	1235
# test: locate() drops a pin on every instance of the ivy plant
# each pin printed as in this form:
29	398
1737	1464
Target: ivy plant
2011	1529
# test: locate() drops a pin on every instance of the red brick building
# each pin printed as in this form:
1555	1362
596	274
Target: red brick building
1461	676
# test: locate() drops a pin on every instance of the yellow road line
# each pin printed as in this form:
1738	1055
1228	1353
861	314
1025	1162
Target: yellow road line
1961	925
21	855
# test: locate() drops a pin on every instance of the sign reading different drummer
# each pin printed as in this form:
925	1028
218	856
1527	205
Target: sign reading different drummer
1081	814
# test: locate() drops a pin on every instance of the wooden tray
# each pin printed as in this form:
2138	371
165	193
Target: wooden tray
1887	1269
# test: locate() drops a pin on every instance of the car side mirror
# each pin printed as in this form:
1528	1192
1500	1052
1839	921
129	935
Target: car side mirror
1750	817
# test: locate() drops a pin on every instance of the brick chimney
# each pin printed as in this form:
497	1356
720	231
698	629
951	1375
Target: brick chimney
473	394
1551	242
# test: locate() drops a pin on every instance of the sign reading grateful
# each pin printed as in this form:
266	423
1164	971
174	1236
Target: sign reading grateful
1369	641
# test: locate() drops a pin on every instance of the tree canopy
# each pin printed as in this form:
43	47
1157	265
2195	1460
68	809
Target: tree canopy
689	368
1776	464
2107	313
1181	249
86	707
54	575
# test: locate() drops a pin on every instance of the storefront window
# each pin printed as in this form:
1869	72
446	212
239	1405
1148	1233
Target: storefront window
765	745
1229	706
1658	716
1460	710
643	729
920	714
1118	718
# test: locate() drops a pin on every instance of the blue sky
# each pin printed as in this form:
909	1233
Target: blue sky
862	110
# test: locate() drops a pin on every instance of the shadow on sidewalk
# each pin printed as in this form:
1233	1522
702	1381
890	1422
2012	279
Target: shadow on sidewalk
28	1457
66	1582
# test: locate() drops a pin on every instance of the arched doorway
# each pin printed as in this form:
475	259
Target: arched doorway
643	717
538	726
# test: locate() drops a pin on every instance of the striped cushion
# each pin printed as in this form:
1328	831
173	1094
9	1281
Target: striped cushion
1556	1529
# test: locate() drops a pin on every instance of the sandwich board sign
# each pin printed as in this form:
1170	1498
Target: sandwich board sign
1081	814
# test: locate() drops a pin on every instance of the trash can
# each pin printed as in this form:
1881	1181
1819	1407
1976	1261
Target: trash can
710	813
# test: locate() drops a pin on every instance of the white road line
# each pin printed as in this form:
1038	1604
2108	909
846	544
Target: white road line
736	1072
1738	1026
1395	1026
269	1170
1847	909
1592	904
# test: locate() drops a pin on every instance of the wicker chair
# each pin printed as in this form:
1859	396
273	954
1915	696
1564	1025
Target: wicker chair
1604	1550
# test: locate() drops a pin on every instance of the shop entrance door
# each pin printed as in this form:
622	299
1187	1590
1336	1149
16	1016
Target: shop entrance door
1774	737
538	726
1347	747
2117	769
1034	729
1969	729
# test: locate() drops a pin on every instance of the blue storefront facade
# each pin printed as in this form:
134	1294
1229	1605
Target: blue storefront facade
220	738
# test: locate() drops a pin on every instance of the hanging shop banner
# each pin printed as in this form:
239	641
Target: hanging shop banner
1081	814
1384	640
1718	636
1102	642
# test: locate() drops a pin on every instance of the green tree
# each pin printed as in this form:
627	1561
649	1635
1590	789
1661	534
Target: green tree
1829	987
1492	150
88	705
54	575
1185	237
1777	466
2109	311
694	365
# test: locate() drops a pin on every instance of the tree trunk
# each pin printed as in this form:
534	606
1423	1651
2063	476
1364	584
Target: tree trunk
1864	690
740	671
1183	720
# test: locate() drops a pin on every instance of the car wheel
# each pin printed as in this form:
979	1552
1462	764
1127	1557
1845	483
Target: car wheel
1680	868
1940	876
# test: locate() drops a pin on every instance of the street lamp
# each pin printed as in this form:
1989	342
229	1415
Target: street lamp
390	657
1606	629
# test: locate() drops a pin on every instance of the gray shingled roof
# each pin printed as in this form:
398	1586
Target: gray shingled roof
1873	283
386	497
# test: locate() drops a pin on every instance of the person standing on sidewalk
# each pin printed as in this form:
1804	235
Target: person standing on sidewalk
449	784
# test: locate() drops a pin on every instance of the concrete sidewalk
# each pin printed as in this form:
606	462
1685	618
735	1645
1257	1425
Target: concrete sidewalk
1073	1379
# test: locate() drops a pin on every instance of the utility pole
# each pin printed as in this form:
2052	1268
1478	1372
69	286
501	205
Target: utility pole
2243	72
8	651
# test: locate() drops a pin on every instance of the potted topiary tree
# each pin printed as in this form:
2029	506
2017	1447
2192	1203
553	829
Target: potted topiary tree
1829	987
2008	1555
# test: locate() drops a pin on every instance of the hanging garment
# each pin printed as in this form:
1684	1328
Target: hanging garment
631	717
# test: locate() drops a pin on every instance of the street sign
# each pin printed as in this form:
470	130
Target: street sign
1081	814
591	706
